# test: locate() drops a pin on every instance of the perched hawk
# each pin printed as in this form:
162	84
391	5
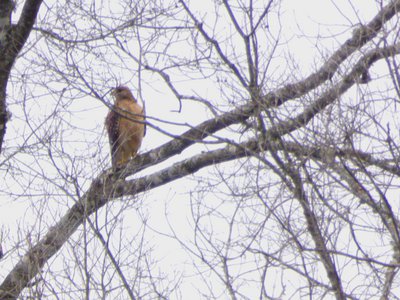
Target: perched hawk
125	127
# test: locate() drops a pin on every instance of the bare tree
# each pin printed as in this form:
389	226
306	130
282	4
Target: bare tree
270	170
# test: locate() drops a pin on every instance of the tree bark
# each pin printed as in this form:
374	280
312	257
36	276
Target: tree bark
12	39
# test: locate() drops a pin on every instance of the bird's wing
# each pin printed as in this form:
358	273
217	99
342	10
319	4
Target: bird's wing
112	124
144	119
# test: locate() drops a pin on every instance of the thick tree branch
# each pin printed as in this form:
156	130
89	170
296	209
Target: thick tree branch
336	90
329	154
6	8
12	39
316	233
25	23
360	37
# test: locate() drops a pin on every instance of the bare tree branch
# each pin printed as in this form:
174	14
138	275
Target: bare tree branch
12	39
273	145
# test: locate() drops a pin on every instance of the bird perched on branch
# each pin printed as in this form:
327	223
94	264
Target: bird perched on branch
125	127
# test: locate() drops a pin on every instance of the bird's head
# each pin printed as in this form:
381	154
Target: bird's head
122	92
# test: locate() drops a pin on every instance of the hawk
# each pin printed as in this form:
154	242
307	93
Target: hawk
125	127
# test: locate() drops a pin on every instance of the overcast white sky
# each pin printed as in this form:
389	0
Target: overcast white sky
303	24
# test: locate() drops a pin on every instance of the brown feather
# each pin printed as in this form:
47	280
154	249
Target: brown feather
112	124
125	127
